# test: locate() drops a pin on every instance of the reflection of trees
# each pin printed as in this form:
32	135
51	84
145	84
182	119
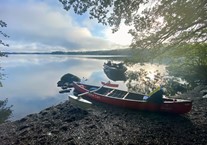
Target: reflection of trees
140	81
144	82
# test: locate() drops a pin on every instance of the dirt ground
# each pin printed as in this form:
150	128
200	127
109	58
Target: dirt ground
106	125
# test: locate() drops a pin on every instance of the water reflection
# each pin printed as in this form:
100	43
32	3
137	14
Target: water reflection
31	83
115	76
146	77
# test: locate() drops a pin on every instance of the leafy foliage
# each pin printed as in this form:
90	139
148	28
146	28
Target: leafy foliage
142	55
155	23
188	62
192	65
3	24
5	112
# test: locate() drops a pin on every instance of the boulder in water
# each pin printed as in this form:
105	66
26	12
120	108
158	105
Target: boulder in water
67	80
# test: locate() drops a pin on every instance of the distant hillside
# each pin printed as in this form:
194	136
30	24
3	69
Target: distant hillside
98	52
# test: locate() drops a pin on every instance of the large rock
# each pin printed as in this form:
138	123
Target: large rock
67	80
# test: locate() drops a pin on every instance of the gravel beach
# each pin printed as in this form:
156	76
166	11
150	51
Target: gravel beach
106	125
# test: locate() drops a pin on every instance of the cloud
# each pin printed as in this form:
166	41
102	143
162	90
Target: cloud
41	26
121	37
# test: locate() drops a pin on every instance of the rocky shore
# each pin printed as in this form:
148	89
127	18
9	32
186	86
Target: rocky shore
105	125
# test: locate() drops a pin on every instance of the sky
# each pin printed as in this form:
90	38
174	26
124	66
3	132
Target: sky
44	26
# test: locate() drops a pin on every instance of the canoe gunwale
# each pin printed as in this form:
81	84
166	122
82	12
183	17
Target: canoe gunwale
177	106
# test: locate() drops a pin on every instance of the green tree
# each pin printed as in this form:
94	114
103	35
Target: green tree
5	112
155	22
191	66
3	24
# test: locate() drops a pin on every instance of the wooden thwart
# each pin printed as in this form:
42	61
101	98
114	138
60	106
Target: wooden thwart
126	95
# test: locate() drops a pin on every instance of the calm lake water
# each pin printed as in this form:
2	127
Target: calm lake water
30	83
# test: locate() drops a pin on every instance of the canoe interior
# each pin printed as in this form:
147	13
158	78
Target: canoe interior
115	93
131	100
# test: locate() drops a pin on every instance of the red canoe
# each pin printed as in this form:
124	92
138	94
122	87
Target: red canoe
132	100
109	84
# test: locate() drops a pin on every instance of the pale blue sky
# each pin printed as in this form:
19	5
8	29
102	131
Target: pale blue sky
43	25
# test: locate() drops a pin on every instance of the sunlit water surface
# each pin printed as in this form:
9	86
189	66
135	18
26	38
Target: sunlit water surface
30	83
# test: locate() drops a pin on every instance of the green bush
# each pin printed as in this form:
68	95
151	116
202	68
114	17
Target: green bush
5	112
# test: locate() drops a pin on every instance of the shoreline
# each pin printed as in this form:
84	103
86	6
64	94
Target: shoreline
103	124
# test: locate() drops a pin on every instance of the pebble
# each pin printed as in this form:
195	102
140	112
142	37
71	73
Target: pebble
66	124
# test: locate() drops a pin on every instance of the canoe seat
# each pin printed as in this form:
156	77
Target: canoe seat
156	97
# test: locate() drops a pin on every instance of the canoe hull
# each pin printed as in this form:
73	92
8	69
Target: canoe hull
177	107
80	102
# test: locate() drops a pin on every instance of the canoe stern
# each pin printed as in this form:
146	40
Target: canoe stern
179	107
